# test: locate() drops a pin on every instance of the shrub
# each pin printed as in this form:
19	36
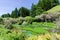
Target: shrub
33	19
6	34
8	24
28	19
12	20
44	18
45	12
1	20
24	23
39	18
20	20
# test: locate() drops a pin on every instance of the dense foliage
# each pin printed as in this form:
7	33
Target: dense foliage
6	15
15	13
38	23
24	12
36	9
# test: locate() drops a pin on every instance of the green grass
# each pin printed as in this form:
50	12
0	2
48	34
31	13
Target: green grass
44	24
6	34
31	29
39	28
54	9
35	27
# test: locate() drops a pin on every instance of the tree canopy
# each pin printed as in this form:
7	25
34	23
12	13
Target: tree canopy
36	9
24	12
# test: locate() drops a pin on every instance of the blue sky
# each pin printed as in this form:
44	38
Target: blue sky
6	6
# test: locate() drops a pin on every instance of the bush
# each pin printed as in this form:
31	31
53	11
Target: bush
24	23
45	12
33	19
13	21
1	20
20	20
8	24
39	18
44	18
28	19
6	34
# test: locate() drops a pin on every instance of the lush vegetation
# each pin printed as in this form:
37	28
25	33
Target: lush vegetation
36	9
54	9
12	30
41	22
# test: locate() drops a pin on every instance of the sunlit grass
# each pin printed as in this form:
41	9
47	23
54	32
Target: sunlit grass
54	9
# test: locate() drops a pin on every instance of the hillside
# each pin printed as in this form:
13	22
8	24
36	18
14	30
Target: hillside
41	22
55	12
54	9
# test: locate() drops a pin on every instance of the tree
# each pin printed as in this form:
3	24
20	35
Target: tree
15	13
43	5
39	11
5	15
54	3
33	10
24	12
47	4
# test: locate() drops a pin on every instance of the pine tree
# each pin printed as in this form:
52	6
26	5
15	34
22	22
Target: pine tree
24	12
33	10
15	13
